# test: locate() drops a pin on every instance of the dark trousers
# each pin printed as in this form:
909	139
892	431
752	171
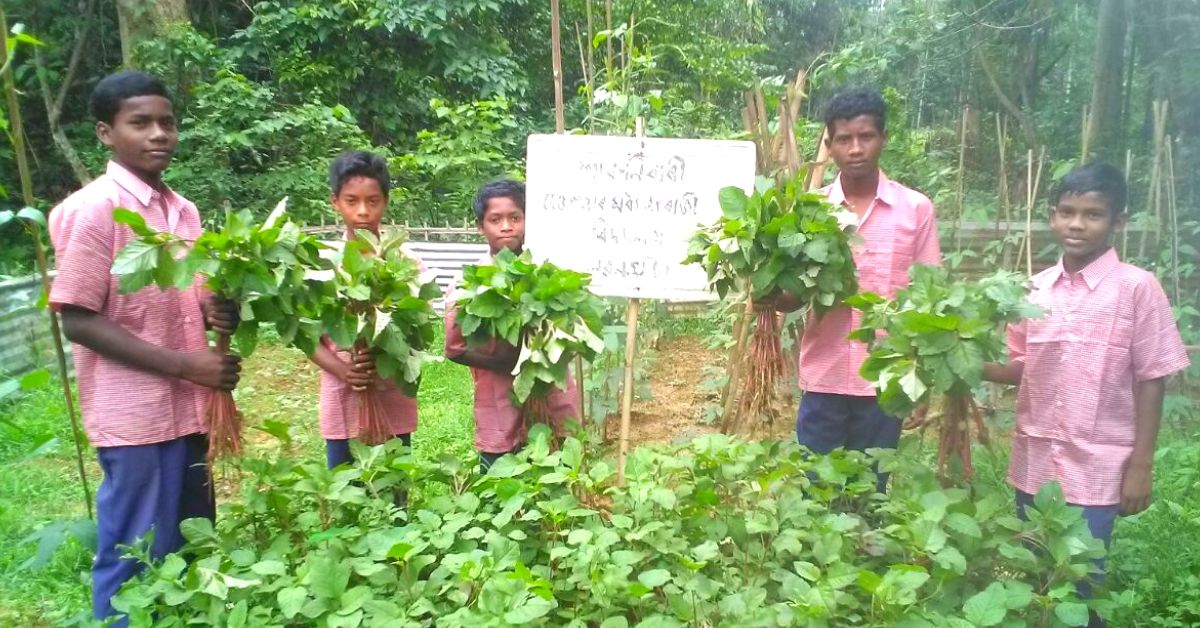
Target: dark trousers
827	421
145	487
488	458
337	450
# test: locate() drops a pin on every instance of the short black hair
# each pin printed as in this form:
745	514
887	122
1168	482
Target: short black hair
1096	176
856	101
502	188
115	89
359	163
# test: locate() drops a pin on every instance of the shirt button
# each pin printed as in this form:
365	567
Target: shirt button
1058	403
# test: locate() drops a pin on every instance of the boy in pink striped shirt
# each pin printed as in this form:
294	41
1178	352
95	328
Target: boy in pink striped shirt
142	362
897	227
499	425
359	185
1092	371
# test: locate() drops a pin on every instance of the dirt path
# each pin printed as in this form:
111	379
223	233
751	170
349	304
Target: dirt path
675	409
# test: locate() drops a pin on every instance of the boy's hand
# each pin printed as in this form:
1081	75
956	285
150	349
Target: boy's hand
361	374
211	369
220	315
1135	488
918	417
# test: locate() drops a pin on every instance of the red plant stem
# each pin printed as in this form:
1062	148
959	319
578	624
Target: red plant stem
372	419
764	367
223	418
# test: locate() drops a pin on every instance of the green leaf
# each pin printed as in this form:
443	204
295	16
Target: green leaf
1072	613
32	215
733	202
135	221
987	607
35	379
654	578
291	599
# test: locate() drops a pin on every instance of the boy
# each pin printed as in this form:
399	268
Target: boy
1091	372
897	227
142	361
499	426
359	185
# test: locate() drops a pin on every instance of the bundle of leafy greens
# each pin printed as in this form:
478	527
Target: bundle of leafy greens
545	311
932	340
261	267
375	300
778	239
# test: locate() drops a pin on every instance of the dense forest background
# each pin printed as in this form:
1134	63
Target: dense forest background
268	91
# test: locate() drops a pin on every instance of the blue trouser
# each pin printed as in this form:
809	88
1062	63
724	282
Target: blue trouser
1100	521
145	487
827	421
337	450
488	458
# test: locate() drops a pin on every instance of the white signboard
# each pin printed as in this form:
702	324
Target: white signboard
623	208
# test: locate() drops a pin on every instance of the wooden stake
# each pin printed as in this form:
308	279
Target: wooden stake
741	328
631	321
1125	229
962	157
556	62
1029	213
17	134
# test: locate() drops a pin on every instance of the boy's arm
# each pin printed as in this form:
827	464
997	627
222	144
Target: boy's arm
359	372
1147	410
100	334
1010	373
1155	353
500	357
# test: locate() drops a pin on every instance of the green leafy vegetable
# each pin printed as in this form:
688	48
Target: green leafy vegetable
780	238
544	310
933	339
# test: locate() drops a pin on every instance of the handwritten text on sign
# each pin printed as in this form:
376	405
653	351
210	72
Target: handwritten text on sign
623	208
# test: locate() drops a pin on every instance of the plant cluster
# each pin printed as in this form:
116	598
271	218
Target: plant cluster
371	296
545	311
378	302
714	532
778	239
933	339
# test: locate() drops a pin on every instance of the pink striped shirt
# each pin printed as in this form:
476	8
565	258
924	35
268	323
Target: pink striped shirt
338	405
499	426
1104	329
897	231
122	404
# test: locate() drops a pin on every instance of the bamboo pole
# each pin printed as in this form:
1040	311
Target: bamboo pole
1029	212
631	323
1125	229
741	327
608	41
556	62
962	157
1173	214
17	134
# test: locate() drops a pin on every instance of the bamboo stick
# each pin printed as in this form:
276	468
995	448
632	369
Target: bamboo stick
631	322
961	192
556	66
17	135
1029	213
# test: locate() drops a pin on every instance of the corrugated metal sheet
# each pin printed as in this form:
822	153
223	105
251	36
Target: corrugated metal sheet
25	341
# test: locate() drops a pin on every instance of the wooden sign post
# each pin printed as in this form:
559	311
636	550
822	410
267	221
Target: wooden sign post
623	209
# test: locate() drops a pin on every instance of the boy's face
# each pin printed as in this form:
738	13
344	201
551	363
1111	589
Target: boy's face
361	202
503	225
142	135
855	145
1083	224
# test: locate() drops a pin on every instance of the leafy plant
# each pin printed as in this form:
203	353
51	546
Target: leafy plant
714	532
260	267
377	302
933	339
779	239
545	311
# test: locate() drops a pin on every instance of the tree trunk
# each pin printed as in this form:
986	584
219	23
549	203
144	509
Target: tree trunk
1104	125
144	19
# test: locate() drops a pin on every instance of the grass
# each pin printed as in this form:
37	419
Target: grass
278	384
